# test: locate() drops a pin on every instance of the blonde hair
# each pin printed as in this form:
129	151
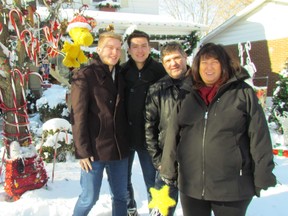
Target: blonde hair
105	35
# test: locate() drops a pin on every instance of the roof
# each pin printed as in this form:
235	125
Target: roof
151	24
230	22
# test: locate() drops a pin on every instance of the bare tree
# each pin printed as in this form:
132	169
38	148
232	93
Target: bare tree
208	12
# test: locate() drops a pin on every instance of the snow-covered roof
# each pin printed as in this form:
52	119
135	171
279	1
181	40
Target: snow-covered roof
151	24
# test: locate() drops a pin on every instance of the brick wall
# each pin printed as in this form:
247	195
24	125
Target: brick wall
269	58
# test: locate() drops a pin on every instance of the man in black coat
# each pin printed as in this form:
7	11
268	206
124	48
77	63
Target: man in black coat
140	71
161	100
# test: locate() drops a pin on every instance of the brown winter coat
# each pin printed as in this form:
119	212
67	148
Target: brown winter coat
99	122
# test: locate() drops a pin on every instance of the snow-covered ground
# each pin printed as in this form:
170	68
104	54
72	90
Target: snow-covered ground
60	196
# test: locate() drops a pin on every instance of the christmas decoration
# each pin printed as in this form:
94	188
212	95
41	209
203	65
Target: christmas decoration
281	152
57	141
45	69
280	98
79	30
261	91
161	200
19	54
283	120
108	4
22	174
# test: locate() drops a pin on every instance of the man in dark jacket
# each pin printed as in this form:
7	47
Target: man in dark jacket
140	71
99	127
161	99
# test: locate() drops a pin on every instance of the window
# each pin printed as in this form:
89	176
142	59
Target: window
97	1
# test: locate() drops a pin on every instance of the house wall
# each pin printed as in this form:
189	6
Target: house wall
133	6
266	22
268	57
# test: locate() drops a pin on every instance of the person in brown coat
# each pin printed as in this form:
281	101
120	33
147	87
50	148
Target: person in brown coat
99	127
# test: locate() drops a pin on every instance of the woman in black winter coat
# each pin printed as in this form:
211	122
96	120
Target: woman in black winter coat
218	145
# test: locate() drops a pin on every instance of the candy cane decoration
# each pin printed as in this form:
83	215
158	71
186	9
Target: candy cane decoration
14	110
31	45
11	18
26	42
52	41
241	51
14	102
1	28
248	59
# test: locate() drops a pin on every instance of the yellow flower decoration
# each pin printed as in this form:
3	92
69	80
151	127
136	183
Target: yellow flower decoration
161	200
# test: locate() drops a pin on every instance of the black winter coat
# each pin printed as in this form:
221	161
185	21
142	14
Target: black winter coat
137	84
99	122
223	150
160	101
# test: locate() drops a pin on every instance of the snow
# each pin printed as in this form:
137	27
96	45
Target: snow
56	123
59	197
52	96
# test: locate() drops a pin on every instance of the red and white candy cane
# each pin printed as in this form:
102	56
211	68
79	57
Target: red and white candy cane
31	45
16	107
12	20
14	96
35	48
52	41
1	28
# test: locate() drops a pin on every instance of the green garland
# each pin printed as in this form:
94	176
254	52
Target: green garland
189	42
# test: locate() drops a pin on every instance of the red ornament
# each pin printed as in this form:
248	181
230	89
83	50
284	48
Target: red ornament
280	152
25	12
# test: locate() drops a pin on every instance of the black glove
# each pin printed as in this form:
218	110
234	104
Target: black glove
169	182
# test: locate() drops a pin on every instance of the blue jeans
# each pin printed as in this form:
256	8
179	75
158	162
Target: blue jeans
91	183
173	192
149	173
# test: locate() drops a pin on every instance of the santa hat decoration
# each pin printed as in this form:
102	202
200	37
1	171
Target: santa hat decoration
78	21
92	22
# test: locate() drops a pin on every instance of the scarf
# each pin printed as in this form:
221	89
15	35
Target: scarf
208	93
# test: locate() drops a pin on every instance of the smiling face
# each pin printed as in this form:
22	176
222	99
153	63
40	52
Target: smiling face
175	64
139	50
210	70
110	51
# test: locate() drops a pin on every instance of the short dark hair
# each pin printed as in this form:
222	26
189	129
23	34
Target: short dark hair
137	34
171	47
218	52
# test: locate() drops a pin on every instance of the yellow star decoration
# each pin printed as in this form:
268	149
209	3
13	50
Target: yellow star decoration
161	200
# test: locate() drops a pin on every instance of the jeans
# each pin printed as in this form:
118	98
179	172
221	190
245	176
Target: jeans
149	173
117	172
173	192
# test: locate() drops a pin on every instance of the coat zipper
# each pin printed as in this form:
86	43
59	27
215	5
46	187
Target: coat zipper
203	153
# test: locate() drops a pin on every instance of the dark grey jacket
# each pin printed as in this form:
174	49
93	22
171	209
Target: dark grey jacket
223	150
137	84
160	101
